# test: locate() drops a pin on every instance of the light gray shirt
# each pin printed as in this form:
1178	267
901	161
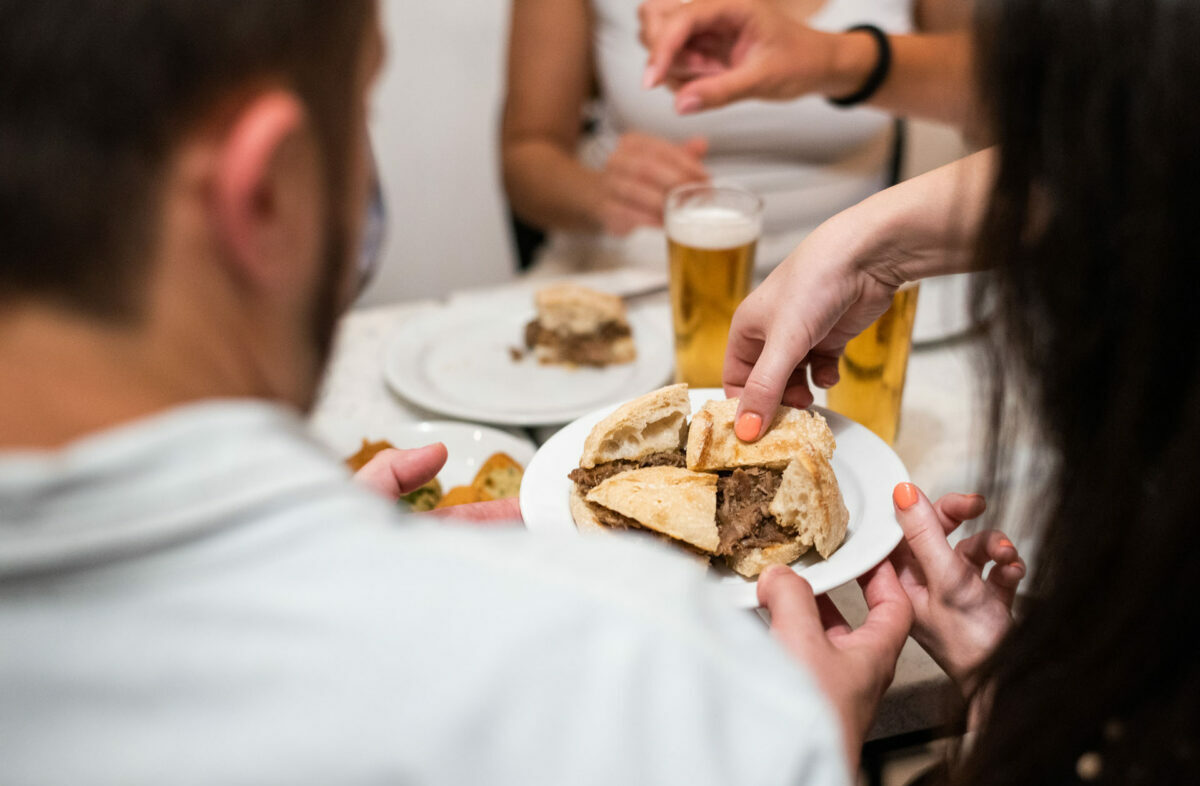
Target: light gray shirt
203	597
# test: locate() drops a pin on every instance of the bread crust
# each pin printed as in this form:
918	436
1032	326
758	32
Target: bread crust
810	502
585	519
575	309
712	444
653	423
672	501
755	561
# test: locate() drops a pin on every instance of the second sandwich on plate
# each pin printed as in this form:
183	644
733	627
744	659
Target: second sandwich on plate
697	486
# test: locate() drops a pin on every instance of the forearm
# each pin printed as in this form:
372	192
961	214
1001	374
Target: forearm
930	75
923	227
550	188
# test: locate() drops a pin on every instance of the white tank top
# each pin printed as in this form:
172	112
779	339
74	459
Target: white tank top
806	158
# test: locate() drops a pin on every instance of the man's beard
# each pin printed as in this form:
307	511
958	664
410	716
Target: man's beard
327	302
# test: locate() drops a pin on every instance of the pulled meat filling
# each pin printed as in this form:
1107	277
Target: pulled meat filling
587	479
585	349
743	519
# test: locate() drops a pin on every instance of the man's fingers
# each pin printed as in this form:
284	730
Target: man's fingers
831	618
889	611
923	530
500	510
393	473
795	619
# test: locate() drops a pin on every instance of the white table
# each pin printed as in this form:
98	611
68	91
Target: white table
937	443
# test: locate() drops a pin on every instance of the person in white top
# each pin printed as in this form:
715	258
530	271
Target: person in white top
602	196
191	590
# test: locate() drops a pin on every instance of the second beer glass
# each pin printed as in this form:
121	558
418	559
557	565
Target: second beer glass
712	234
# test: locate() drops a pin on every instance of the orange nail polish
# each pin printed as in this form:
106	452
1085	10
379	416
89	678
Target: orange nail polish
748	426
905	496
1006	544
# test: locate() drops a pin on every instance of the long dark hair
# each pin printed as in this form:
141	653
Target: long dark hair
1093	232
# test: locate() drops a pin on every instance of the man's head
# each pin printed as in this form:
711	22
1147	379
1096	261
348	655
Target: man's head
185	165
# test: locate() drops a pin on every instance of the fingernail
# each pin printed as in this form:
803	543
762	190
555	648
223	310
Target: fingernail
905	496
1005	543
648	77
827	378
748	426
687	105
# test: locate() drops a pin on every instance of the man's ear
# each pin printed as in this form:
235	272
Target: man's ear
266	191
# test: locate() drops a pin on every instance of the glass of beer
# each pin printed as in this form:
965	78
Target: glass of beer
873	368
712	234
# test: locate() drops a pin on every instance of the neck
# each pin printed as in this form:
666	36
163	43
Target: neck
67	377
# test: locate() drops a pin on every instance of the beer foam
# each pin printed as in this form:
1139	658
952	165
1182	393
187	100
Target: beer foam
712	227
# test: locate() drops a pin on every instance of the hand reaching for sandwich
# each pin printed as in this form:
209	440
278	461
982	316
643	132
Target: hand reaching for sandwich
960	616
852	667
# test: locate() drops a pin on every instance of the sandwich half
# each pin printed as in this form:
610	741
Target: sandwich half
580	327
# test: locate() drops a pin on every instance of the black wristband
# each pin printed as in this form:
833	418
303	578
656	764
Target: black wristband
877	75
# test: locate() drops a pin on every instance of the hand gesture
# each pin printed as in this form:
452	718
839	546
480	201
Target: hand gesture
960	615
638	175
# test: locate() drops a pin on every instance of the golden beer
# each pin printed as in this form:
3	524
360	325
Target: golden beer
873	369
712	234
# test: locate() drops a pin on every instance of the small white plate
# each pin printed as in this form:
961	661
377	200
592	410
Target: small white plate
867	470
468	446
456	361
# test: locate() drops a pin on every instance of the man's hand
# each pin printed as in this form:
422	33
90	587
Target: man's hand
499	511
960	616
393	473
853	667
638	175
715	52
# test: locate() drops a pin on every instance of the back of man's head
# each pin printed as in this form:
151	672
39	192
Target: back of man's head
94	94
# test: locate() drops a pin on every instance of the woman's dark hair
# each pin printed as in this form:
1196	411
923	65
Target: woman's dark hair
94	94
1093	232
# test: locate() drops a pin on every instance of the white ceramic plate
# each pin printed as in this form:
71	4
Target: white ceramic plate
468	445
456	361
867	470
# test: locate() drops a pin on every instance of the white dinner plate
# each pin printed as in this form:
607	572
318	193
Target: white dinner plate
457	361
867	470
468	445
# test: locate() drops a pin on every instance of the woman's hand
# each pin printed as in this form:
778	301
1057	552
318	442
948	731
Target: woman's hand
393	473
715	52
638	175
960	615
800	318
853	667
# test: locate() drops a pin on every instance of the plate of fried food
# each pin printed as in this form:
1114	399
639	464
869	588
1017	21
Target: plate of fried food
813	493
483	463
546	361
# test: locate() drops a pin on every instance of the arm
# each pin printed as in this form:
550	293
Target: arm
719	51
842	277
549	71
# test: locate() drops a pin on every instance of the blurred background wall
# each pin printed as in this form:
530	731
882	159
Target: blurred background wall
435	126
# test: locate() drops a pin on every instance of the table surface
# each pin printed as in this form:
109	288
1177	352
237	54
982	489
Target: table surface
937	443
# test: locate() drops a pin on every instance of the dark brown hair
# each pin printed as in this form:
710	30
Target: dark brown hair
95	93
1093	232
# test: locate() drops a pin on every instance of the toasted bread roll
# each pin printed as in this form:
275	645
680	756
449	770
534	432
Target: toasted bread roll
755	561
653	423
810	502
622	350
499	477
712	445
669	500
570	308
585	519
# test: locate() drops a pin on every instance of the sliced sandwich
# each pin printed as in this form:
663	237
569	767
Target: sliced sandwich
580	327
751	505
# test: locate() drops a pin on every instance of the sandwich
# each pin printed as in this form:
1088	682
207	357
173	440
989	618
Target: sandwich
748	505
580	327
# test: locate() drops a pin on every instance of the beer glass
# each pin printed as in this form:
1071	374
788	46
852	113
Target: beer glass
712	234
873	369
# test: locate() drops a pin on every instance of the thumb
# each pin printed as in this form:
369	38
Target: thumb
393	473
712	92
697	146
795	618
